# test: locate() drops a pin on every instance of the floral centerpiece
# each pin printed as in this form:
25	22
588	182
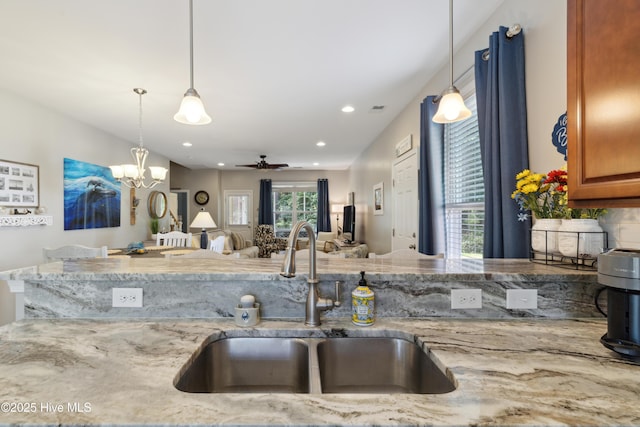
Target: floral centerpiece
545	197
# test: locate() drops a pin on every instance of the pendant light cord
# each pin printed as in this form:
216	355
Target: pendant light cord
140	121
191	39
450	43
140	92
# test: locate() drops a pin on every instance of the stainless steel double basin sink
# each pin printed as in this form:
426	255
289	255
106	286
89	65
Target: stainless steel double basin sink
313	365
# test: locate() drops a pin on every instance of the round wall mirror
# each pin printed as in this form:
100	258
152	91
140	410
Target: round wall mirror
157	204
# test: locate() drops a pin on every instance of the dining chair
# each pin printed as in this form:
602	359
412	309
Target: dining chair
73	252
174	238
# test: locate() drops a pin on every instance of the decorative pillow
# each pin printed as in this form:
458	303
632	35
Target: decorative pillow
238	240
228	243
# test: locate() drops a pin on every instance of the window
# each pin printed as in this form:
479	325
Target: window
293	202
464	185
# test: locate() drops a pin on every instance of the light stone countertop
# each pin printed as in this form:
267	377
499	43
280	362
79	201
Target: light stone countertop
268	269
509	372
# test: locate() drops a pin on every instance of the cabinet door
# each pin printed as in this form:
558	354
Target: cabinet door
603	102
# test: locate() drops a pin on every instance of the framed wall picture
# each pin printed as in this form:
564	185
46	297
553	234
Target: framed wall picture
19	184
91	196
378	199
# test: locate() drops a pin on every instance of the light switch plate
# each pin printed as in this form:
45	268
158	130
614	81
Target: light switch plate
522	298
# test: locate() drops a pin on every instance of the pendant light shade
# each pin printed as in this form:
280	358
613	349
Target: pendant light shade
451	108
191	110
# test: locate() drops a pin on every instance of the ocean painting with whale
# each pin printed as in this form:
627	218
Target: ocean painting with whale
91	196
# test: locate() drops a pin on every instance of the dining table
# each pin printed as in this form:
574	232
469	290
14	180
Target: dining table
152	251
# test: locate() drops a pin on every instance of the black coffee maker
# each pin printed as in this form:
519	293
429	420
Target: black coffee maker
619	271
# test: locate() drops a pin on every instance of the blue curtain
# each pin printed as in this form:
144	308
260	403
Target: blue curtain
431	225
324	214
502	122
265	210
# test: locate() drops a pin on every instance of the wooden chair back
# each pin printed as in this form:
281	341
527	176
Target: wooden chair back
176	239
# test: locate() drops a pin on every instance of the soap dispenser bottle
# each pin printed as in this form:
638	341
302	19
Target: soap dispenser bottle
363	304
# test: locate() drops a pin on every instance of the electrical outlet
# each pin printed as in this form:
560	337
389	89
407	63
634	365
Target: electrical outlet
522	298
466	298
126	297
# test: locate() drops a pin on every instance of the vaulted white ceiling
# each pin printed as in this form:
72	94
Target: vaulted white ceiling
273	74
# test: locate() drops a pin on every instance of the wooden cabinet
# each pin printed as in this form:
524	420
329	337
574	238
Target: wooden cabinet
603	103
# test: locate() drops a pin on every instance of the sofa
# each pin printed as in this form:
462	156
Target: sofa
234	243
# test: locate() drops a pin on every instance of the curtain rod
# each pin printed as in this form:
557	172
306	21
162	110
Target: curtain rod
513	31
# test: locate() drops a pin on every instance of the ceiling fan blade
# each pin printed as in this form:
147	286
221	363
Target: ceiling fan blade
277	165
255	165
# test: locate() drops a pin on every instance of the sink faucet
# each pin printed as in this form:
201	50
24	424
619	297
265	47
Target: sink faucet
314	302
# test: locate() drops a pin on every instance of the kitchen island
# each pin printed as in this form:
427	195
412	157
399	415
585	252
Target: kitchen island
121	372
211	288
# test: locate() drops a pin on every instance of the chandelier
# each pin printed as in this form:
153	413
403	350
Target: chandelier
133	175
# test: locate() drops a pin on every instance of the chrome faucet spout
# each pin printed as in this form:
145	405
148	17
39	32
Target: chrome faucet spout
314	302
289	263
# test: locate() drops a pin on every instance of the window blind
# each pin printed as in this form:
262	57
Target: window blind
464	186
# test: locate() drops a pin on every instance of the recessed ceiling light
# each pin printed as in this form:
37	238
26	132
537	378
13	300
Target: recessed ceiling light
321	143
348	109
316	164
220	164
187	144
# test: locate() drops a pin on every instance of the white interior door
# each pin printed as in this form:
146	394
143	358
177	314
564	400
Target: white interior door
238	211
405	202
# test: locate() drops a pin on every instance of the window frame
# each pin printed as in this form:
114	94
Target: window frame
294	188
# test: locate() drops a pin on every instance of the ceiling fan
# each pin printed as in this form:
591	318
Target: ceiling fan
262	164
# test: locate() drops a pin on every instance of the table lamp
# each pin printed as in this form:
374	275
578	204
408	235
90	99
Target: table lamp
337	209
203	220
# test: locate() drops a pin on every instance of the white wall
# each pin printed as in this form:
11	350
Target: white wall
36	135
544	26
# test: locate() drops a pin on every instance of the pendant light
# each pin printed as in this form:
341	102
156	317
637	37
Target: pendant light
451	108
191	110
133	175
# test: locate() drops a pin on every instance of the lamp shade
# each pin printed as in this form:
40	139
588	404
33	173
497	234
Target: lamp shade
203	220
337	209
451	108
191	110
158	173
117	171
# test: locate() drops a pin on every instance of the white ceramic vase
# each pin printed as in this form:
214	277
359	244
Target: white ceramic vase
544	235
580	238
